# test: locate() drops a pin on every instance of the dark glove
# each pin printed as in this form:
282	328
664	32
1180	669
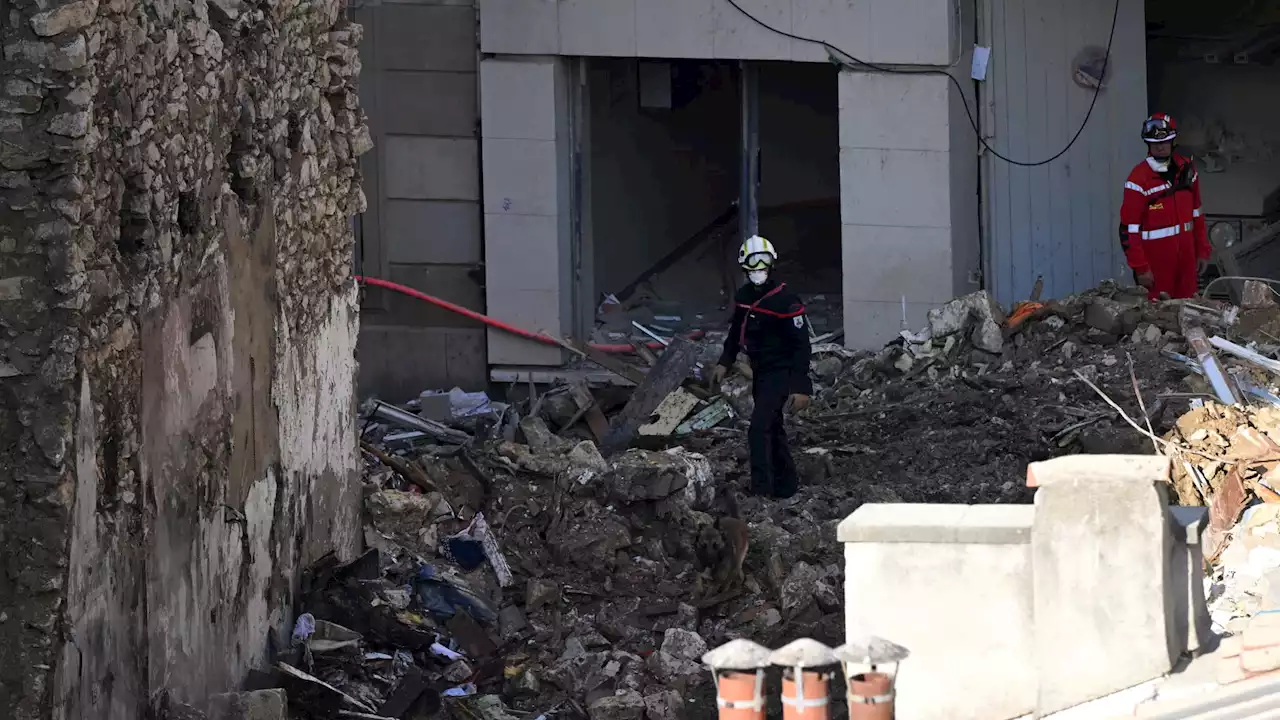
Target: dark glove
1185	174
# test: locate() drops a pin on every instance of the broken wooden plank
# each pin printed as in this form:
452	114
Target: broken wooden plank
1228	503
407	691
588	409
645	354
672	369
597	422
607	361
672	411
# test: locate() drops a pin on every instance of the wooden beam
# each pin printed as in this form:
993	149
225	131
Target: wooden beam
673	367
607	361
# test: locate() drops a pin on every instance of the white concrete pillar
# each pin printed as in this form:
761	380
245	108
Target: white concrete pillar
907	206
524	131
1106	605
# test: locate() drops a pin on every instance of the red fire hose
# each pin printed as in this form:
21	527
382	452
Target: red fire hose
491	322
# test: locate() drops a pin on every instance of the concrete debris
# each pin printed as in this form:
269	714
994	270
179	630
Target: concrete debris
1257	295
614	590
407	518
683	644
642	475
666	705
256	705
537	436
978	314
625	705
541	593
586	455
826	369
1113	317
956	315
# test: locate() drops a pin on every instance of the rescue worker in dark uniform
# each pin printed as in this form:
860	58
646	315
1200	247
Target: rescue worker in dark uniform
769	325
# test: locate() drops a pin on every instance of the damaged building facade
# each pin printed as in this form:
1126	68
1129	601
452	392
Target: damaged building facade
572	147
179	323
601	138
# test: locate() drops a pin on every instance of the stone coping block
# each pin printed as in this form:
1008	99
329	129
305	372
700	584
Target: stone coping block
929	523
1098	468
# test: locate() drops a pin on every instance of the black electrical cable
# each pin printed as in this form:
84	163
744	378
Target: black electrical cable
836	53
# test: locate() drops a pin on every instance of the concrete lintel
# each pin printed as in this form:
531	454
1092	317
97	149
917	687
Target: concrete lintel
924	523
1099	468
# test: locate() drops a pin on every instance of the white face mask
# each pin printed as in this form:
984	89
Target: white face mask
758	277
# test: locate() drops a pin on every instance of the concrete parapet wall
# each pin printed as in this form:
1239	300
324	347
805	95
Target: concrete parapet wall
1010	610
952	583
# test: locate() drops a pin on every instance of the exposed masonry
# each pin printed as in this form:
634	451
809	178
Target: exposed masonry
177	327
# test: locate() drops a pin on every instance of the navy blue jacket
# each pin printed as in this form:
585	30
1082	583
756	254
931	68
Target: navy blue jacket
769	326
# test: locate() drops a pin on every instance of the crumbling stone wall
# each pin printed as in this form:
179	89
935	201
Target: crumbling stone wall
177	331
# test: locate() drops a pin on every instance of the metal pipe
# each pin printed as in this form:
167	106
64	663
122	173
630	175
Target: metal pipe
651	334
403	418
1218	380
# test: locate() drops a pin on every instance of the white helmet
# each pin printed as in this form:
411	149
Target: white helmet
756	253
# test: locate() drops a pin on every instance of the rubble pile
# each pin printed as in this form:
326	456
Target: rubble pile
605	590
1228	458
955	411
527	561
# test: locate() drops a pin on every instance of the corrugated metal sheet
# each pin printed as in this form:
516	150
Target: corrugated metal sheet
1057	221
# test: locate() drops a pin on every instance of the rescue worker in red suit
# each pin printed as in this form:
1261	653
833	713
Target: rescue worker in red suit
1162	229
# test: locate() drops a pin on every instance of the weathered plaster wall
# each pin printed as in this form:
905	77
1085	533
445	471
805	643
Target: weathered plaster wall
177	333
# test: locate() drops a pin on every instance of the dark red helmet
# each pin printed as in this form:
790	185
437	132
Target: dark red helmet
1159	128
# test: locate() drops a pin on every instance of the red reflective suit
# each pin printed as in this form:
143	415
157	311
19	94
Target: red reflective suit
1162	229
